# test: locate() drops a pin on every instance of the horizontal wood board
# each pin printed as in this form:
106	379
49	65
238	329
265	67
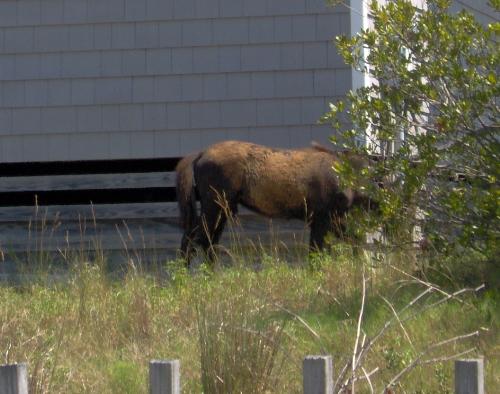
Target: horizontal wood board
127	234
96	211
145	231
87	181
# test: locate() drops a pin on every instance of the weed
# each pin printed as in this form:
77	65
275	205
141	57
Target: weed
246	327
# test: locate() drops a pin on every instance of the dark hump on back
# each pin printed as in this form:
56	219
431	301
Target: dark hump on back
320	148
356	160
336	154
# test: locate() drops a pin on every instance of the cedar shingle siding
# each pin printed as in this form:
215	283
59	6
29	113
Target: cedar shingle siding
94	79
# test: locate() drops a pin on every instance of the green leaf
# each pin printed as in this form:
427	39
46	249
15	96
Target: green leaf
436	74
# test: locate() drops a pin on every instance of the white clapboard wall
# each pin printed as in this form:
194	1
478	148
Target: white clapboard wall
123	215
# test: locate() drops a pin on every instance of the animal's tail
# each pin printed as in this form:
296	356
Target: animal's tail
186	193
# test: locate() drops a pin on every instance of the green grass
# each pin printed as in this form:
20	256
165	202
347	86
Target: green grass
92	333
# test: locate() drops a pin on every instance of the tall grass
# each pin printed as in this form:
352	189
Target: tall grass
241	329
241	346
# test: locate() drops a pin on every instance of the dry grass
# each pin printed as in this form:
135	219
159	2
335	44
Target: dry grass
242	329
242	348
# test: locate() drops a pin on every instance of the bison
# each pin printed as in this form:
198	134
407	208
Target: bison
277	183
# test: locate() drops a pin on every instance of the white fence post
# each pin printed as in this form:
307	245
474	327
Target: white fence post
14	379
164	377
469	376
318	375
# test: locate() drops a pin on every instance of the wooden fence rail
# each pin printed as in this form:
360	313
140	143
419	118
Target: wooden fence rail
164	376
469	376
317	374
14	379
109	208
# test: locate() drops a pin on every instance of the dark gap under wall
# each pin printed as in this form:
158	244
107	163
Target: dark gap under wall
88	167
90	196
87	196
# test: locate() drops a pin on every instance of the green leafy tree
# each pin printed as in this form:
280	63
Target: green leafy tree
431	114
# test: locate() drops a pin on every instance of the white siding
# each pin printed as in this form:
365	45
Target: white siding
93	79
480	8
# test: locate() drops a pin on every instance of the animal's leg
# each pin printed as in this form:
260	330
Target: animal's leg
339	225
187	244
339	228
320	225
213	220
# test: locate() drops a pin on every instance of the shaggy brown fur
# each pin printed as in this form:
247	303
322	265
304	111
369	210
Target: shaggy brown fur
273	182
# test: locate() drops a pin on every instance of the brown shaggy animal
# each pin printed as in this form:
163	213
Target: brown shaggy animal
273	182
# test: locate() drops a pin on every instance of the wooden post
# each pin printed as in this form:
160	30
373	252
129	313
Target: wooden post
469	376
164	377
318	375
14	379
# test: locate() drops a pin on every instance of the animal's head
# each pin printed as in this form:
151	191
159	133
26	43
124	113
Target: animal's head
356	170
366	184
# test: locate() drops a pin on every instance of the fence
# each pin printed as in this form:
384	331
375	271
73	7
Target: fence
164	376
118	206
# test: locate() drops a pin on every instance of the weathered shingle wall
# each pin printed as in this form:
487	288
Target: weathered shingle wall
481	10
87	79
